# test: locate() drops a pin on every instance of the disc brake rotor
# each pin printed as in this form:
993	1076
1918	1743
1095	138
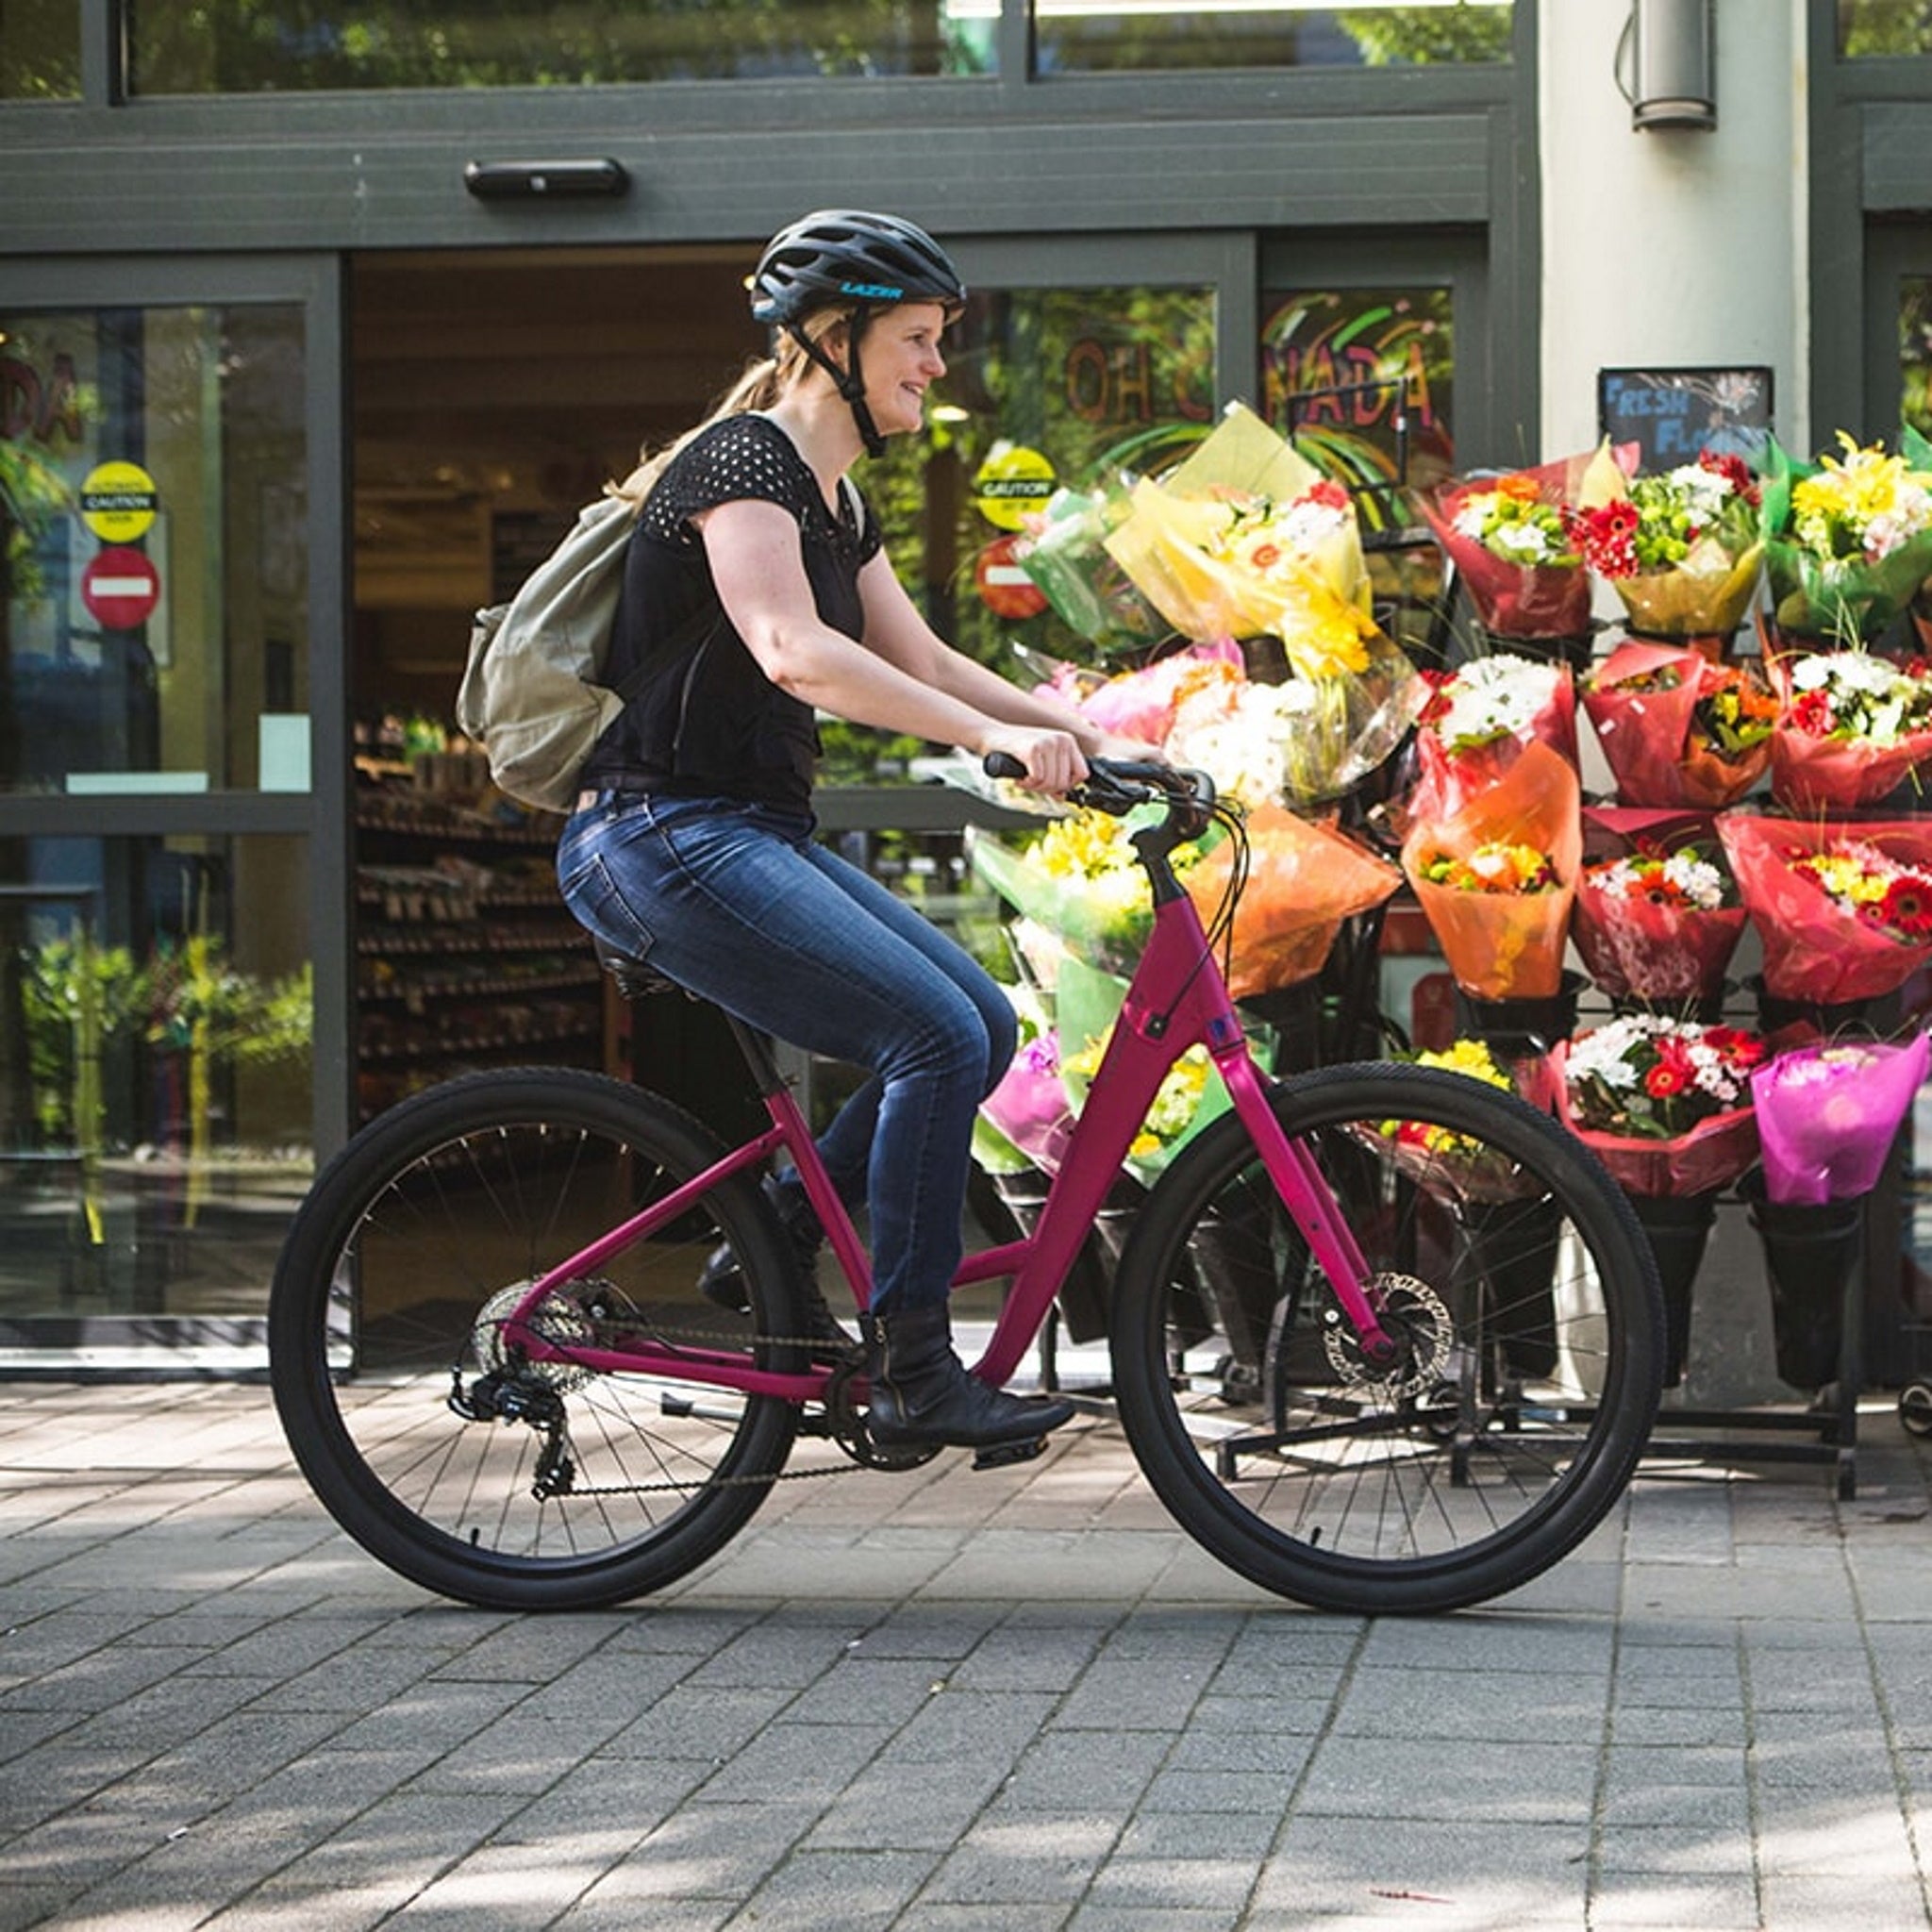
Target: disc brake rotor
1418	1320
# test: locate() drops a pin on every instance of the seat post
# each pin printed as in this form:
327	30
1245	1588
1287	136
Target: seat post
756	1052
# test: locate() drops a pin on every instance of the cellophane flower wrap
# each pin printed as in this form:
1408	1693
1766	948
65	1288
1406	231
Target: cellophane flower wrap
1849	538
1497	877
1853	726
1299	741
1191	1095
1142	702
1659	921
1247	539
1063	551
1827	1115
1679	730
1844	912
1665	1103
1479	718
1454	1167
1082	880
1508	537
1029	1106
1303	879
1682	548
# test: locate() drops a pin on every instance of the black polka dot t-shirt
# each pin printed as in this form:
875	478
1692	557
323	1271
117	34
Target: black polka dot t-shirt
708	722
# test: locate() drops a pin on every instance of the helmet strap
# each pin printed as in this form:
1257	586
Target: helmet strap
850	380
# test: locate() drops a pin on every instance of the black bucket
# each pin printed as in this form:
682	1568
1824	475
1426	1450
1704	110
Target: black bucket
1809	1252
1679	1230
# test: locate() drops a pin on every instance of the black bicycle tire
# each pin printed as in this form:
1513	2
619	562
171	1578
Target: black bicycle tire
1545	1533
304	1385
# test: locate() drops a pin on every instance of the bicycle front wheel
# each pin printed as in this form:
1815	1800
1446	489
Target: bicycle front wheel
432	1437
1523	1295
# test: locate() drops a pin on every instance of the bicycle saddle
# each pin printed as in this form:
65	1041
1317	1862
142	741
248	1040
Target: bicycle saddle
634	979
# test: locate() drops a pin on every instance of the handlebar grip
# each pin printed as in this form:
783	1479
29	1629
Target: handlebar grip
1001	764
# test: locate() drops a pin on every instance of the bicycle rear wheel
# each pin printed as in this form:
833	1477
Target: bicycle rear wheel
1518	1284
565	1487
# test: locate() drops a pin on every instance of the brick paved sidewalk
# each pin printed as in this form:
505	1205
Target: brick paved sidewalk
945	1702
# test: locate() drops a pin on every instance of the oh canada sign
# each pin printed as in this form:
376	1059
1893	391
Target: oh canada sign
1672	414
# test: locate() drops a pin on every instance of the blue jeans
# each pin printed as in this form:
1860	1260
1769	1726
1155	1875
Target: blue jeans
738	903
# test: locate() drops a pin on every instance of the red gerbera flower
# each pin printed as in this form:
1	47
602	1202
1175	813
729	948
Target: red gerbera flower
1665	1080
1906	906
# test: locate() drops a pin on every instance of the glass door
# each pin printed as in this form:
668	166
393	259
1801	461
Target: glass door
170	651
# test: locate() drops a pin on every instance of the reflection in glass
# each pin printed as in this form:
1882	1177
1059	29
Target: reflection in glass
242	47
155	1071
1117	35
153	557
1363	380
1872	29
1915	352
39	50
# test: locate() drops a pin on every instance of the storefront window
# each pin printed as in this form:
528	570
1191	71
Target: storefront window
1045	390
244	47
1362	379
156	1021
1872	29
1114	35
39	50
152	554
1915	352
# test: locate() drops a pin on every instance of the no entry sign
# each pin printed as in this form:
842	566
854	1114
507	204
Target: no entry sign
121	588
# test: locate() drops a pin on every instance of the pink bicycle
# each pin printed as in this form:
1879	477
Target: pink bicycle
1383	1339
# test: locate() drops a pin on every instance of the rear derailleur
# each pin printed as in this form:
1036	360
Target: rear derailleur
510	1395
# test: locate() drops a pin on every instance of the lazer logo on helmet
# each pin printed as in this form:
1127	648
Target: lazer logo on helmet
874	291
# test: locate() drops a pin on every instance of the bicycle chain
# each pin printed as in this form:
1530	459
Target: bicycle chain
613	1332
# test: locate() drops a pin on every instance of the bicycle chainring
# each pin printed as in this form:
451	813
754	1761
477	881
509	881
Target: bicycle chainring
1417	1319
848	1429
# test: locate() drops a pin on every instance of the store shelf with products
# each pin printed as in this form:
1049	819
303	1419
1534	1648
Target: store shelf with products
465	955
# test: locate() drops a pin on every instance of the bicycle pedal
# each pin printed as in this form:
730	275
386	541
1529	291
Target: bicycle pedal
999	1455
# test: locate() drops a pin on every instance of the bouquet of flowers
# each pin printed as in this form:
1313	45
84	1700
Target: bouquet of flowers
1828	1116
1658	921
1142	704
1683	549
1063	550
1082	880
1496	878
1852	727
1029	1106
1664	1103
1510	541
1850	539
1478	719
1302	741
1844	912
1678	730
1450	1165
1303	879
1247	538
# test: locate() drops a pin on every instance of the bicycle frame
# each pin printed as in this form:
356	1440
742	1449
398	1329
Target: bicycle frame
1178	999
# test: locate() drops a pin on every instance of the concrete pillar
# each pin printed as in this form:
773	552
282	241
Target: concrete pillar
1679	248
1672	248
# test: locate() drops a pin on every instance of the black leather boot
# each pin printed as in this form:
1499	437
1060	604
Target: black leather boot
922	1394
722	1281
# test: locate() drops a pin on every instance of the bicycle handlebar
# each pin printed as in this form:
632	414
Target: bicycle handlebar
1118	785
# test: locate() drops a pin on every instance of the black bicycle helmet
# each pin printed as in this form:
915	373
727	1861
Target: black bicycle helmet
846	257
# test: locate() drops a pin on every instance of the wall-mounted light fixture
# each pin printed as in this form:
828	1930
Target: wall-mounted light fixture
1665	64
569	181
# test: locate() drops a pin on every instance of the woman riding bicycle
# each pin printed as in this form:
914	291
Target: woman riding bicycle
692	842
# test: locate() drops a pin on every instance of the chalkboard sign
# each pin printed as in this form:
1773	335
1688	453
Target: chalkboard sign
1672	414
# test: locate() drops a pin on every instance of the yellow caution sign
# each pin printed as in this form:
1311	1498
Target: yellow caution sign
1012	480
118	501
